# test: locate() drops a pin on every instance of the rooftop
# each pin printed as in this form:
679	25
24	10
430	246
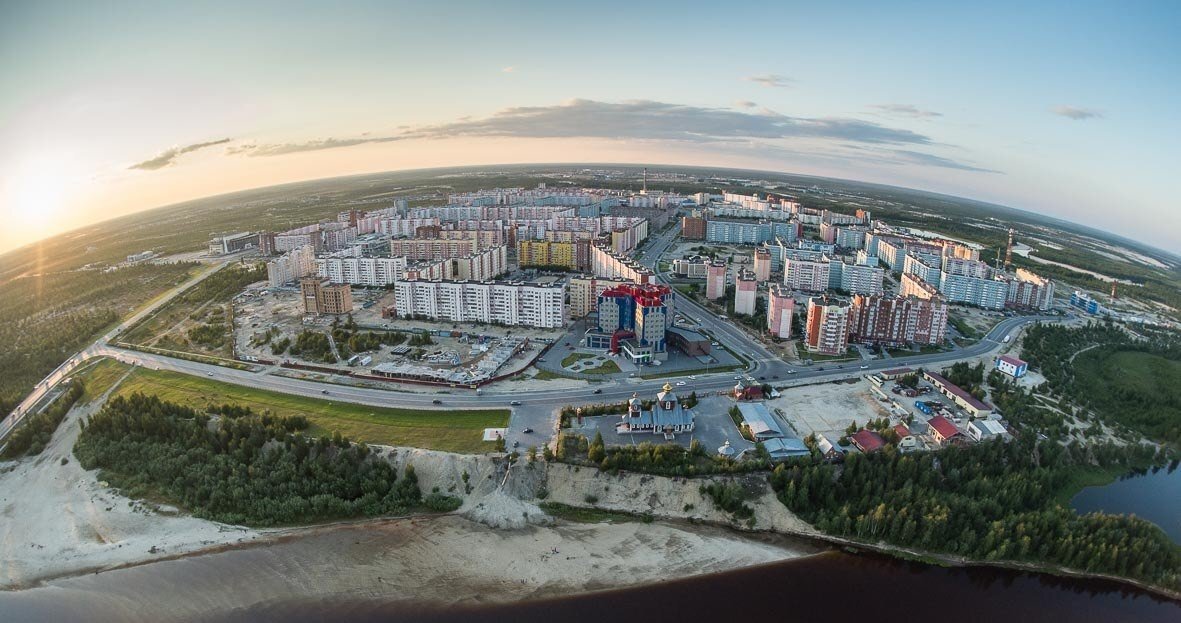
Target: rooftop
959	392
944	426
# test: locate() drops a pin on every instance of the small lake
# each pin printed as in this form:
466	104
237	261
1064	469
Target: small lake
1154	495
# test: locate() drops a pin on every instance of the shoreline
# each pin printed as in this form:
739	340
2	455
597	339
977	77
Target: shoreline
824	544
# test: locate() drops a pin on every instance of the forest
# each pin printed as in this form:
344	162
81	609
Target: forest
46	318
237	466
991	501
1130	382
666	459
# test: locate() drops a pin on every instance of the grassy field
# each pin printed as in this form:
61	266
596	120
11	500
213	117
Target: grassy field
452	431
573	358
607	367
100	376
962	326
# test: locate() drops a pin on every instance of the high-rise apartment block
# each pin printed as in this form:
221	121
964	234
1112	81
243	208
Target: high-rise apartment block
898	320
715	280
826	330
745	292
781	305
762	263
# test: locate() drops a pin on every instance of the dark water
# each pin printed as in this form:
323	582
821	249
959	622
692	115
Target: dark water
828	587
1154	495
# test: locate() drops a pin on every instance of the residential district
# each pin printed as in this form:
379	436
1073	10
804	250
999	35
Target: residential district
595	284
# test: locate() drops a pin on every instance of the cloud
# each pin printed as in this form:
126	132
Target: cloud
771	80
905	110
659	121
1076	113
168	156
508	70
905	156
745	104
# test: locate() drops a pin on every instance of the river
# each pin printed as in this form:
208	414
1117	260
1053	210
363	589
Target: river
1154	495
831	586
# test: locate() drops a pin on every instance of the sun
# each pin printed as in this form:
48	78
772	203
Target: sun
34	194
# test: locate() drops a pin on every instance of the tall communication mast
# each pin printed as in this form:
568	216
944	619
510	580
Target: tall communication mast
645	190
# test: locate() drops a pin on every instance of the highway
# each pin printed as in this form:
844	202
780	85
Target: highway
536	408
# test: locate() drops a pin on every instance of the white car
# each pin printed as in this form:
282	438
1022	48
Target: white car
679	383
692	378
864	367
791	371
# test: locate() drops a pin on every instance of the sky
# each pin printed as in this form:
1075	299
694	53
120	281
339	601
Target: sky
1069	109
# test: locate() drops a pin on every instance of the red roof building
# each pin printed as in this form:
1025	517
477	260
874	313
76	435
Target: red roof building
868	441
943	430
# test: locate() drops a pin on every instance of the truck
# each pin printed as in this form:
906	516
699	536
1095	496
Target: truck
1006	340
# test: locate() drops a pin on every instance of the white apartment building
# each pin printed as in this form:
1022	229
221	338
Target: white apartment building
609	265
807	275
512	304
362	271
293	265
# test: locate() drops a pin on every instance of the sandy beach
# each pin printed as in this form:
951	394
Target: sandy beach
58	519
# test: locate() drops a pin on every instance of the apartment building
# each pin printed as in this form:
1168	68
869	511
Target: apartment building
549	253
505	303
715	280
781	306
321	296
855	278
607	264
762	262
745	292
692	228
432	248
826	330
362	271
806	272
1030	291
290	266
898	320
749	232
584	293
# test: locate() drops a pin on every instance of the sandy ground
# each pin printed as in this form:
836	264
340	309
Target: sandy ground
445	560
828	408
59	519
